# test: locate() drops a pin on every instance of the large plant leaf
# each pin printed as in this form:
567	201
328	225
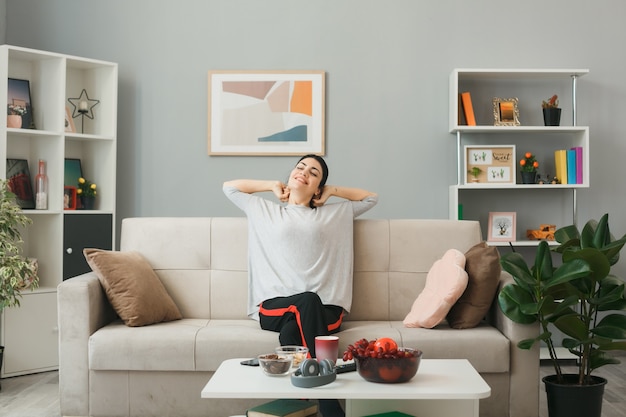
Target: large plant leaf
598	358
543	269
598	263
612	326
572	326
568	271
511	299
567	234
514	264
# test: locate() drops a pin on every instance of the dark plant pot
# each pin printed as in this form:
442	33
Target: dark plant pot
569	399
552	117
87	203
529	177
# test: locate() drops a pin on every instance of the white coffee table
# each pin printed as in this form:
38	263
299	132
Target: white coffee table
442	387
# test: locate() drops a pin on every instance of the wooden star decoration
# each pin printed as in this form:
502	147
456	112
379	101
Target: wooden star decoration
83	105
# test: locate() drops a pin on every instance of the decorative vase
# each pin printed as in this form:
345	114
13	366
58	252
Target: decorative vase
551	116
87	203
529	177
14	120
569	399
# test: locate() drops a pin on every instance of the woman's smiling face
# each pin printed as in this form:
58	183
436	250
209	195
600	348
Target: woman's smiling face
306	176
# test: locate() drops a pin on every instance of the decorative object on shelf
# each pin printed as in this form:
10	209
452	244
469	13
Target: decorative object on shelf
69	121
497	162
83	106
288	118
41	187
69	198
73	171
528	166
468	109
19	108
570	298
501	227
505	112
86	192
545	232
475	172
551	111
19	182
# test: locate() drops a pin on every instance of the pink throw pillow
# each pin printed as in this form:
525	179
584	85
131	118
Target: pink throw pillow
445	283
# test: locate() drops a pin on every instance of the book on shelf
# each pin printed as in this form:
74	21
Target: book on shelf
284	408
571	166
468	109
579	164
560	162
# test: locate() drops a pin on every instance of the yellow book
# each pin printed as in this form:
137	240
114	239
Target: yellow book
560	162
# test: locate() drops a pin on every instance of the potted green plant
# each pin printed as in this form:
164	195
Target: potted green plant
17	273
551	111
528	166
582	299
87	192
475	172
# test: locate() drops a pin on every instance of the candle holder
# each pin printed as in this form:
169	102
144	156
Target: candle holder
83	107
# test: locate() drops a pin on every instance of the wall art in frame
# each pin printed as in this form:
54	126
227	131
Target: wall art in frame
266	112
490	165
20	182
501	226
19	105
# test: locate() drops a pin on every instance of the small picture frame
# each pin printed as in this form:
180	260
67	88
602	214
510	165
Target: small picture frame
502	226
20	182
69	198
505	112
69	121
490	165
19	104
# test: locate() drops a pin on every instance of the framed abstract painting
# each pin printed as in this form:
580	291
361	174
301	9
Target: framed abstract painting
266	112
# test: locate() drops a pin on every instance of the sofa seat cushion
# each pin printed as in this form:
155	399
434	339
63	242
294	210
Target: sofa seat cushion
168	346
484	346
182	345
224	339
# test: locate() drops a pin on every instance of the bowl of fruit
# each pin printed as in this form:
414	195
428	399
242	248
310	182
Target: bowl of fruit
382	360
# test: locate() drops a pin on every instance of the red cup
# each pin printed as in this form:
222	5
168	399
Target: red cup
327	347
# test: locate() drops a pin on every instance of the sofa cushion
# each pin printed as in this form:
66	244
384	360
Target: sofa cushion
482	263
132	287
445	282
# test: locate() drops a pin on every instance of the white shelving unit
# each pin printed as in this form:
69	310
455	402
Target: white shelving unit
534	204
29	333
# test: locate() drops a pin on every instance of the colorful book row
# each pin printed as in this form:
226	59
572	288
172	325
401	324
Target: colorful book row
569	165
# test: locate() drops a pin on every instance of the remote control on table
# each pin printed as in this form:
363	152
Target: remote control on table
346	367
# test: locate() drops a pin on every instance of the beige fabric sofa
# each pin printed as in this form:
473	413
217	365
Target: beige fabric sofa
108	369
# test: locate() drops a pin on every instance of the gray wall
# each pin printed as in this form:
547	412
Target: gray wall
387	64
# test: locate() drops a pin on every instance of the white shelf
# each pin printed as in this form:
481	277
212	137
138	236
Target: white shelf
530	87
53	78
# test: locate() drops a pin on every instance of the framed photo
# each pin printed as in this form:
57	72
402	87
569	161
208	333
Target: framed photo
19	107
73	171
490	165
505	112
266	112
69	198
69	121
20	182
501	226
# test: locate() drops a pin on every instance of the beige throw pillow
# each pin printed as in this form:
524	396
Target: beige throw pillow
132	287
482	263
445	282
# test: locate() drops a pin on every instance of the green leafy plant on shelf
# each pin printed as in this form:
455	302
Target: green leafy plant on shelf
528	163
552	103
17	273
86	188
581	297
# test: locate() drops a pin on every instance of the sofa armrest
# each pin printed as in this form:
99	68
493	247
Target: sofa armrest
83	308
524	365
